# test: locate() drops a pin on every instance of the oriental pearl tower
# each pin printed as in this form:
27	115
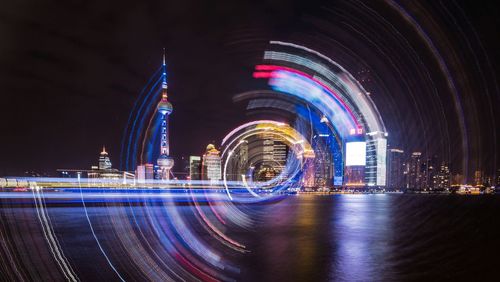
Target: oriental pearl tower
165	162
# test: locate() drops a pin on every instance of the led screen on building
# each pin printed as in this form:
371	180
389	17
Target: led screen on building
355	153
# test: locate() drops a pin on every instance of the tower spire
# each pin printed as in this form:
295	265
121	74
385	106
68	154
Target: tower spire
164	75
164	61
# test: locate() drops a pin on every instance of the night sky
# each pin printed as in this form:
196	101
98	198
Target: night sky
70	71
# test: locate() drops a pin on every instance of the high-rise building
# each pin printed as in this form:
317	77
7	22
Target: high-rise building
243	156
195	167
423	175
183	169
141	174
395	169
149	171
280	153
104	168
415	171
211	167
376	154
406	174
274	154
267	150
309	175
323	162
431	172
165	162
104	161
442	179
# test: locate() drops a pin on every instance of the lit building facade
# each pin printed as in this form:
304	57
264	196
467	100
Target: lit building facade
442	180
414	171
140	174
195	167
149	171
274	154
323	162
104	161
211	164
430	173
104	169
395	169
243	156
376	155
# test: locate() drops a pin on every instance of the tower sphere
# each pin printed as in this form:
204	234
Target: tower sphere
165	107
166	161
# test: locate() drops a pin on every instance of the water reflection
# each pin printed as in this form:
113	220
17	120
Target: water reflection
361	228
300	238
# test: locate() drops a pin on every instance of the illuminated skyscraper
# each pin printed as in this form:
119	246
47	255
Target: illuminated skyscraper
212	164
395	169
243	157
274	154
442	178
104	161
414	171
376	153
104	168
280	154
165	162
430	173
194	167
149	172
323	162
267	150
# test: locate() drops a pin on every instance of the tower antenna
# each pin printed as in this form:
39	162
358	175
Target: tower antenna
164	73
164	55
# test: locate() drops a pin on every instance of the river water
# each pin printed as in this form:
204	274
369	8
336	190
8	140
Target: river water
375	237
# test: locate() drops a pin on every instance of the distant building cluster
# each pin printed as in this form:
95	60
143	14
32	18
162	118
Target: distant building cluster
416	173
104	170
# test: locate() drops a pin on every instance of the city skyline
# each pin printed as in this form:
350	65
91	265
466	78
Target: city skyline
415	172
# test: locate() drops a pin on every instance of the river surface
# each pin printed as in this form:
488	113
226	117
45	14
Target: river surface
379	237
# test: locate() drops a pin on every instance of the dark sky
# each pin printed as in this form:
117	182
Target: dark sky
70	71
